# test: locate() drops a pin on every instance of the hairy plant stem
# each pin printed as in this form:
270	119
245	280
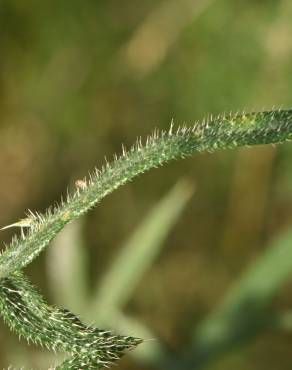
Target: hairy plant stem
220	133
24	309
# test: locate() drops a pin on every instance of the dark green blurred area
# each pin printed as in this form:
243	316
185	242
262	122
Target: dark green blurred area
78	79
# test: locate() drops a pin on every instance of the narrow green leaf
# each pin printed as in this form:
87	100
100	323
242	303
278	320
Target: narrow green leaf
242	313
139	252
67	268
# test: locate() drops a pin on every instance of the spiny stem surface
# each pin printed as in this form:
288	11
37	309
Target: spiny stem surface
220	133
24	309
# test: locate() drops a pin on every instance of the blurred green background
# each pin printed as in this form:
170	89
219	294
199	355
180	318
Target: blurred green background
196	254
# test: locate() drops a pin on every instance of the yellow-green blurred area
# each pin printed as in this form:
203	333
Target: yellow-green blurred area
80	78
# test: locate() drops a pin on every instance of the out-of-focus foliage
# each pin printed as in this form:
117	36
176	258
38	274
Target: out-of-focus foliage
78	79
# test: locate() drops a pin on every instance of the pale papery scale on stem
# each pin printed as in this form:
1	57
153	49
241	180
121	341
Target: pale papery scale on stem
23	308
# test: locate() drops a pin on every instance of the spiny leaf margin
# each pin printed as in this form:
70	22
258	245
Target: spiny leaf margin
26	313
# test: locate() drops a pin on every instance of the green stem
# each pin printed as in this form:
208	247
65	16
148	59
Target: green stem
220	133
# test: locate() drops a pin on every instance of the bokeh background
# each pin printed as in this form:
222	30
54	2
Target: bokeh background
206	239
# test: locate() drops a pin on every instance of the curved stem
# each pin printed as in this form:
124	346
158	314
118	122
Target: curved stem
220	133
